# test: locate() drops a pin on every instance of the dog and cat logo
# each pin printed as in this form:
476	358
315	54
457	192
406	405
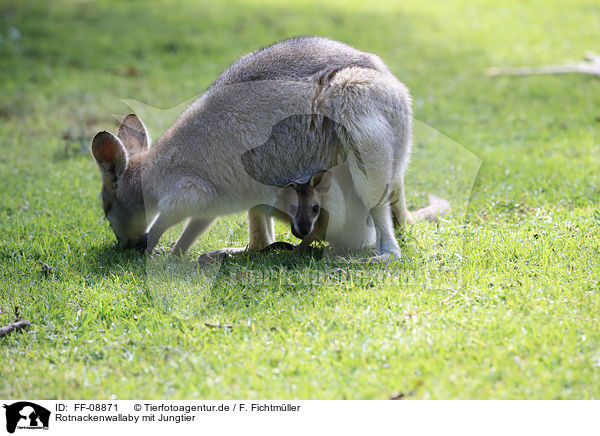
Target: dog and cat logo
26	415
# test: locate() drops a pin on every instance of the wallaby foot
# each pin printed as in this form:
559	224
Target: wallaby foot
383	257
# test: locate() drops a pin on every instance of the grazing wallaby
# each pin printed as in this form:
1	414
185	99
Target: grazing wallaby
199	168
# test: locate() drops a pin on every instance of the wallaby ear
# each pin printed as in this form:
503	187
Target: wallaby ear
281	191
133	134
110	155
321	181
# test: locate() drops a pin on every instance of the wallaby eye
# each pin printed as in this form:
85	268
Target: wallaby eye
316	208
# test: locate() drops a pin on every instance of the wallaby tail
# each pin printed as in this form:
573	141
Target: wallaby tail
437	207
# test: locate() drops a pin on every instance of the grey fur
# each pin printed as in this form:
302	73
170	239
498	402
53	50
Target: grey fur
298	147
296	59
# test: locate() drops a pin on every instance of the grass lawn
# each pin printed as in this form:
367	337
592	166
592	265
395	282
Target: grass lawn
500	300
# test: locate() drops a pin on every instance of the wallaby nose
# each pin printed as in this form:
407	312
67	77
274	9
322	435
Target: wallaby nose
302	229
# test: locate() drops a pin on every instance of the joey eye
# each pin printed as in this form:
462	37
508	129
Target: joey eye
316	208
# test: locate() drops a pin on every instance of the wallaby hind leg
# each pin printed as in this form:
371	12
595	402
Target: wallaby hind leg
386	244
192	231
386	241
400	212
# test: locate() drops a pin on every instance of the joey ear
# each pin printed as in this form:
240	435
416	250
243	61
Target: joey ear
133	134
110	155
283	189
321	181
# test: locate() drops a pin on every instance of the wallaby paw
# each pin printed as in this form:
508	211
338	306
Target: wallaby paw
383	258
386	257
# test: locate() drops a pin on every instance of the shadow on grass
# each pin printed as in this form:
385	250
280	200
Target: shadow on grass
109	258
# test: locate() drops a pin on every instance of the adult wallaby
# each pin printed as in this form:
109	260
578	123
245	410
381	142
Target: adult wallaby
196	170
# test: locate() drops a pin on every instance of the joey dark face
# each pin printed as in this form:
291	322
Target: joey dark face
305	212
302	202
122	198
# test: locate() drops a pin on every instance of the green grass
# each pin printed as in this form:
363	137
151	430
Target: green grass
502	302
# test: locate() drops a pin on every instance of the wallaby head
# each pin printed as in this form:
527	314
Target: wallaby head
119	160
302	202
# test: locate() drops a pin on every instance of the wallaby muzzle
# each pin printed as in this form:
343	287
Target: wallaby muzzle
302	229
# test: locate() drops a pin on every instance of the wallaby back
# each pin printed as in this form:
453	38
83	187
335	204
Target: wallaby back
297	59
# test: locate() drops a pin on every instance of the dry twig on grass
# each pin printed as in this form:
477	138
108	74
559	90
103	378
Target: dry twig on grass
18	324
590	65
217	325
